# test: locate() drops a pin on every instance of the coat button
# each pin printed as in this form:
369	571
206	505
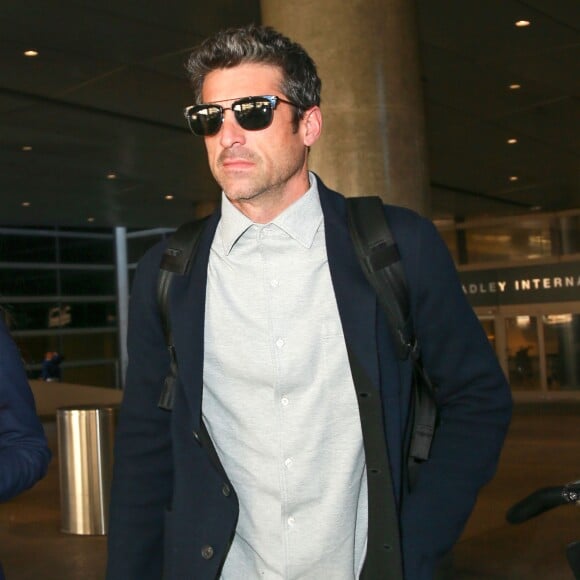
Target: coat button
196	436
226	490
207	552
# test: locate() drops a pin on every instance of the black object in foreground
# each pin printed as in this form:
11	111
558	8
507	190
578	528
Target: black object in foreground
573	555
542	500
545	499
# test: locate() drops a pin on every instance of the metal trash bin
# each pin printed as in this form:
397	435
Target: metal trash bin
86	435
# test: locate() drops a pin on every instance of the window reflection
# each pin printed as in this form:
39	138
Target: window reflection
24	282
509	242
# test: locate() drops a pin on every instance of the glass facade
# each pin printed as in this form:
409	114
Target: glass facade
86	250
519	238
562	339
28	281
59	293
58	288
522	275
28	247
523	352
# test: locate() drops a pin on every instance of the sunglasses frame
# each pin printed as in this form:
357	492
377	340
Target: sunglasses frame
272	100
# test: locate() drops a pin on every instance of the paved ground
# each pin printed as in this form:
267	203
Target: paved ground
543	448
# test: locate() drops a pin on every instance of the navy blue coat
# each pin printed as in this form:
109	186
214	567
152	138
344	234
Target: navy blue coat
169	504
24	453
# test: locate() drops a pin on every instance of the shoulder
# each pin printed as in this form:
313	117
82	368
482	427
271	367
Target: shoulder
406	221
400	218
411	231
145	281
151	259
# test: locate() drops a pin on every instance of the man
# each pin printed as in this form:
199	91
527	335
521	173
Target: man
259	471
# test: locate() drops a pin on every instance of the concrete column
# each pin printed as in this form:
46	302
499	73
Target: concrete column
367	56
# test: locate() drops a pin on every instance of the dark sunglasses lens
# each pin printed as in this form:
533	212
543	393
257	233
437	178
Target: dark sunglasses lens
205	121
253	114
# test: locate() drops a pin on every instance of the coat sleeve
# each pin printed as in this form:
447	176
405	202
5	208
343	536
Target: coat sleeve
24	453
474	401
142	474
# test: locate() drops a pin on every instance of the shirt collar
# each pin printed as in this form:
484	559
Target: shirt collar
300	220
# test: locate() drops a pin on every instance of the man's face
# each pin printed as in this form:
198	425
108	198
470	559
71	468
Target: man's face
266	167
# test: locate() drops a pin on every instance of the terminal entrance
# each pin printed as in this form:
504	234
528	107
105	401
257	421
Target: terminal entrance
538	346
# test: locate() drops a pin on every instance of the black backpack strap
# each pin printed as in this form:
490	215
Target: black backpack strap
381	263
383	558
176	260
379	256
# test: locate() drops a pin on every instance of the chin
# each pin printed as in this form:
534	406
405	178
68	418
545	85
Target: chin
241	194
239	188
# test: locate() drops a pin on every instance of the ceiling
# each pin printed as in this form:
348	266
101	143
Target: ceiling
100	108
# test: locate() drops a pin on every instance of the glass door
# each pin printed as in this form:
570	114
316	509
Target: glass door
489	328
562	345
523	352
537	345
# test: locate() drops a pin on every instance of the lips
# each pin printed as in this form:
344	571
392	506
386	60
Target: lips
236	163
235	159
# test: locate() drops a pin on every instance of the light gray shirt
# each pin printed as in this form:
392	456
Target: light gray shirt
279	401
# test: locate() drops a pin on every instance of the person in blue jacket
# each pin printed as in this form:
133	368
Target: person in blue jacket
259	471
24	452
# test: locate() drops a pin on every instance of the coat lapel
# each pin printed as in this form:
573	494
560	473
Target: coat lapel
187	311
355	297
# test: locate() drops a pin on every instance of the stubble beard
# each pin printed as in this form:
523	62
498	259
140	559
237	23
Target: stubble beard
248	188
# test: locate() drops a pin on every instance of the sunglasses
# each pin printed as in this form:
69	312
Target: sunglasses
252	114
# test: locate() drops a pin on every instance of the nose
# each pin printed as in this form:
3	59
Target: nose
231	133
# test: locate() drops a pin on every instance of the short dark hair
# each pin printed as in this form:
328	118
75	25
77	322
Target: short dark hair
259	45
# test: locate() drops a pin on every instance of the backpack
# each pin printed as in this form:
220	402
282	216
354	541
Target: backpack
381	263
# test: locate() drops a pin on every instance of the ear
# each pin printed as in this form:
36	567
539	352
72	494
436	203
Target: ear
312	125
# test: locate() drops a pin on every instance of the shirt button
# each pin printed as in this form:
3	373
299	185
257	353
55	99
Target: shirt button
288	462
279	343
284	401
274	283
291	521
207	552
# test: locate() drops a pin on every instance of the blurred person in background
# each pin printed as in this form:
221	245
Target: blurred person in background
51	370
